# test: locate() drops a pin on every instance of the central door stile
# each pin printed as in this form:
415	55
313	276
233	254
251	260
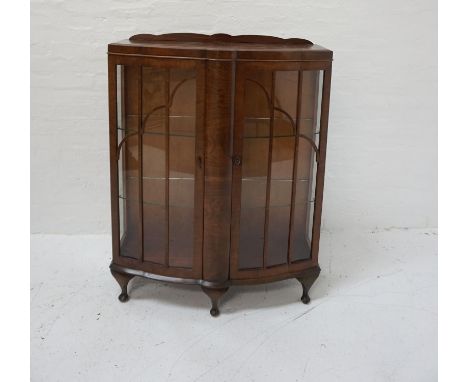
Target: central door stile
218	170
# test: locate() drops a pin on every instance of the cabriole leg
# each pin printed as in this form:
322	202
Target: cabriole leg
122	279
215	295
306	282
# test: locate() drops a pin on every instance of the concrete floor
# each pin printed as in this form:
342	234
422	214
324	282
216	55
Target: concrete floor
373	317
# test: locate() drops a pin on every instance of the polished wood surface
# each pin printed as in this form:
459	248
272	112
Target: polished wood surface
217	158
218	173
221	48
217	38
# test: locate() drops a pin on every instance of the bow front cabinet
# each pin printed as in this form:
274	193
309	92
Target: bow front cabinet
217	159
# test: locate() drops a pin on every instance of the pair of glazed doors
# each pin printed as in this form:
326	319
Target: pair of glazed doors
217	167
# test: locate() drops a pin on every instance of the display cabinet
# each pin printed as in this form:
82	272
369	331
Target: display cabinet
217	159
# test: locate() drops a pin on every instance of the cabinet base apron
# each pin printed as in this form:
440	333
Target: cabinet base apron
215	291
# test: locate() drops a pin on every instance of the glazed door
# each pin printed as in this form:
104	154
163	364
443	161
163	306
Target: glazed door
159	154
276	141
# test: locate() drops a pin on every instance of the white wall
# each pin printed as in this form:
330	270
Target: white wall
382	158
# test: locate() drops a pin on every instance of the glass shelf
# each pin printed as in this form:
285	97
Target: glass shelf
248	119
161	178
185	135
192	135
297	204
135	116
171	134
274	136
249	179
151	203
305	203
259	127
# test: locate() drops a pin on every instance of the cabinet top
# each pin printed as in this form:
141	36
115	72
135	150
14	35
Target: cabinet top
221	47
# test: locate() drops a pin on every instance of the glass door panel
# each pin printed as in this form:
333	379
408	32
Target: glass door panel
157	120
279	143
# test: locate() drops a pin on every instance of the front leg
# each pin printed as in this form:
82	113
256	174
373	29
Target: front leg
122	279
215	295
306	282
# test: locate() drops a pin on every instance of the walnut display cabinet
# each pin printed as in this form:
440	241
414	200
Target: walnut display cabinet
217	159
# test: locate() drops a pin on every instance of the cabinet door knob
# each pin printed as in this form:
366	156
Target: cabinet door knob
237	160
